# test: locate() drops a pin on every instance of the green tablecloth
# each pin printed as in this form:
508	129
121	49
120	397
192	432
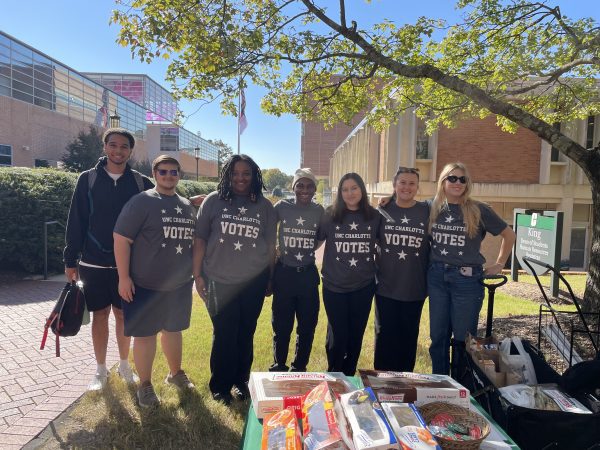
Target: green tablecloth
251	439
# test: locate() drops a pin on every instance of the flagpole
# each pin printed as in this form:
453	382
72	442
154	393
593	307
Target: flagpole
239	116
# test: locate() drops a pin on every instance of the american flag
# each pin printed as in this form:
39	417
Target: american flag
242	122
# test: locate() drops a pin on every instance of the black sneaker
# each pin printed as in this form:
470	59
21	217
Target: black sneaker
241	392
225	399
278	368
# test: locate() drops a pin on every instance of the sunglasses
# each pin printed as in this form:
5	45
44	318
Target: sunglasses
407	170
453	179
172	172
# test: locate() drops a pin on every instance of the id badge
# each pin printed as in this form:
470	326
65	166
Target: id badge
466	271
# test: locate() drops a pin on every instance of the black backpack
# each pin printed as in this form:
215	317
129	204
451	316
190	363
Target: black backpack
67	315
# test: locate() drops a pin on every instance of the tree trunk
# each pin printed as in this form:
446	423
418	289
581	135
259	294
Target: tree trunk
591	298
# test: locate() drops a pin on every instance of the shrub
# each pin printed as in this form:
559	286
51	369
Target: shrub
30	197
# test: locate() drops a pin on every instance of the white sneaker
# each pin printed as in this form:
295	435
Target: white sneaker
128	375
97	383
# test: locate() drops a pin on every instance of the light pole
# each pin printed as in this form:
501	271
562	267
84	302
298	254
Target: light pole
197	156
115	120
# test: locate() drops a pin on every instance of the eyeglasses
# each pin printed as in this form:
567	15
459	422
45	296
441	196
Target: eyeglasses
407	170
172	172
453	179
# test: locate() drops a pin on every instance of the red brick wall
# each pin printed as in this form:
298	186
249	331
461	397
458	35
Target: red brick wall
318	144
491	155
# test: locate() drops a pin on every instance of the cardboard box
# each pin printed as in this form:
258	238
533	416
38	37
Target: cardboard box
273	391
409	427
281	430
369	427
409	387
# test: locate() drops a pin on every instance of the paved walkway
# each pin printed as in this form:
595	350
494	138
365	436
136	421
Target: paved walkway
35	385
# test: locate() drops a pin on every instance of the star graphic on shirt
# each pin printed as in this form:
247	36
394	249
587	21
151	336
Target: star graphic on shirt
387	250
284	221
178	209
353	262
460	253
443	252
163	211
416	253
179	249
163	245
337	258
449	218
224	209
300	221
354	226
401	255
285	252
405	219
368	258
369	227
299	256
315	225
422	224
257	215
221	240
243	210
337	227
238	246
253	244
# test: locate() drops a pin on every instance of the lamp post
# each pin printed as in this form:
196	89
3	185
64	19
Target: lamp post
115	120
197	156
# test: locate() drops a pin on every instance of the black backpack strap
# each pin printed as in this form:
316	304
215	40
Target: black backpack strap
139	180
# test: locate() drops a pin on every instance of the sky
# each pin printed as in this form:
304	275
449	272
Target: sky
77	33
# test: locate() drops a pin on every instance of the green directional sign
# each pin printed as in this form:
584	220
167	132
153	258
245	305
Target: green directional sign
539	237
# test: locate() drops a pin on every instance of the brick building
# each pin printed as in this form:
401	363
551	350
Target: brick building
509	170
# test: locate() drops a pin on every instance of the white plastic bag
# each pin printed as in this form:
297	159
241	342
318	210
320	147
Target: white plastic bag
520	363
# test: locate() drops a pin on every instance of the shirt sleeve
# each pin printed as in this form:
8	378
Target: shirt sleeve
491	221
77	222
323	226
203	220
132	217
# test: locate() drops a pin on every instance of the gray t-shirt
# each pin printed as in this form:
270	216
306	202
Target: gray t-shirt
403	253
298	226
237	235
162	230
349	258
450	243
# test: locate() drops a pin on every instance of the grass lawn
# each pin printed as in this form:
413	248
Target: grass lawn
111	419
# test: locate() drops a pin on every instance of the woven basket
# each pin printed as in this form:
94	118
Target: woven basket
462	415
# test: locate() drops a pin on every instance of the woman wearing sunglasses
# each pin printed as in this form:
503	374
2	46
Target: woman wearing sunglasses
457	225
350	227
402	274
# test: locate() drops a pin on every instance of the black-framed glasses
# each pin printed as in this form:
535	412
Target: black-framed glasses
453	179
172	172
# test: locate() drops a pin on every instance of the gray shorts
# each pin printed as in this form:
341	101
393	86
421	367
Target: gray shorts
152	311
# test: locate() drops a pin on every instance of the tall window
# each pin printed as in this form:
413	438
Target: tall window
555	154
422	141
589	138
5	155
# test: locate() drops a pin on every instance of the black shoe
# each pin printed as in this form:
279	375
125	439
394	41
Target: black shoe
241	392
295	369
222	398
278	368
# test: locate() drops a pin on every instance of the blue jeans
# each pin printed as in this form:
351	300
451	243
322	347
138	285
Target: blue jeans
455	301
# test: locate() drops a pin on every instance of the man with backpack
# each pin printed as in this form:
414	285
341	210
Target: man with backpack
99	196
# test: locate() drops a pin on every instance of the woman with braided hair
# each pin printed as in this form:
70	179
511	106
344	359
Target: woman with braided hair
234	255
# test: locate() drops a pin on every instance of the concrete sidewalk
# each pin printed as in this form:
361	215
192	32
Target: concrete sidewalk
35	385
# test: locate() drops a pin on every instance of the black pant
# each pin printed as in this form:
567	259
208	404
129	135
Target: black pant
347	315
234	311
295	293
396	333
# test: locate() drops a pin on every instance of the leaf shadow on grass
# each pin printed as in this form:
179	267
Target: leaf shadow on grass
186	420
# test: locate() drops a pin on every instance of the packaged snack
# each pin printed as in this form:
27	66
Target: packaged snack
408	387
281	431
368	425
409	427
319	424
274	391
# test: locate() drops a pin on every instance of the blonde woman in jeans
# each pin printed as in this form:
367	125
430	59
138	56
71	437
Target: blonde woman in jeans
457	225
